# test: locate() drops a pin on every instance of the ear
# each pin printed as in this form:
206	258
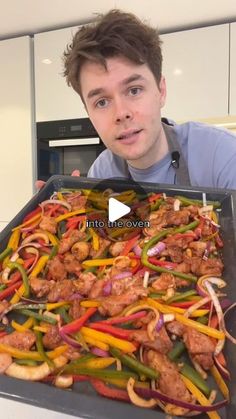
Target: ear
162	88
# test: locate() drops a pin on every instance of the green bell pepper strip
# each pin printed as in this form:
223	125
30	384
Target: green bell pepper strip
155	239
186	201
38	316
29	362
102	374
2	287
176	351
156	205
134	364
64	314
181	296
25	279
187	370
196	378
202	319
7	252
41	351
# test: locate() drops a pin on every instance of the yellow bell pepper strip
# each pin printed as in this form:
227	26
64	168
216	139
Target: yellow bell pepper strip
199	396
39	266
220	382
188	322
196	313
23	327
76	325
97	343
95	239
155	239
15	265
134	364
90	303
19	354
110	340
98	262
17	296
53	306
97	363
71	214
122	383
28	222
14	239
53	239
42	329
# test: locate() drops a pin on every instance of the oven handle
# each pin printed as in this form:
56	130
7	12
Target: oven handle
74	141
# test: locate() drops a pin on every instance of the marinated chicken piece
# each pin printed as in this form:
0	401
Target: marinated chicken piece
165	281
170	382
52	338
180	240
118	287
76	200
62	291
40	287
199	344
176	218
206	267
56	269
20	340
68	240
198	248
85	283
113	305
183	267
176	328
193	209
157	220
207	229
97	289
162	342
71	264
5	362
175	253
48	224
116	248
72	353
4	305
103	245
80	250
121	264
76	310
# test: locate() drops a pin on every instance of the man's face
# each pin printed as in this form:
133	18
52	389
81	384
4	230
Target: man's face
124	104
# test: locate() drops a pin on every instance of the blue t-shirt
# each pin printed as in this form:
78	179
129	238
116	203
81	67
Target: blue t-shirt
210	154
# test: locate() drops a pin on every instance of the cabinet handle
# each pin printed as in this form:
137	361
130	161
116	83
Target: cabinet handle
74	141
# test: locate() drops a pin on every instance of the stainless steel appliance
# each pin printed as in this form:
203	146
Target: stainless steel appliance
63	146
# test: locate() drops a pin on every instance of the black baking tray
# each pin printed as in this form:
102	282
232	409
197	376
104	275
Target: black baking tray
82	401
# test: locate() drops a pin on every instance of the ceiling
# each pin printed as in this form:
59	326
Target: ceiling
26	17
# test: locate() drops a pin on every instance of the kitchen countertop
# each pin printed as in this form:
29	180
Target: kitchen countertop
13	409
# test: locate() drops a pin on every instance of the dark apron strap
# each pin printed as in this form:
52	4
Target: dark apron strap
177	158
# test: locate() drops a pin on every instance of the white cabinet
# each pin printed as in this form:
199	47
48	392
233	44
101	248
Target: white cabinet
2	225
55	100
232	104
196	67
16	168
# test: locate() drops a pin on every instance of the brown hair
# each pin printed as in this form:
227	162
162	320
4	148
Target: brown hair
115	33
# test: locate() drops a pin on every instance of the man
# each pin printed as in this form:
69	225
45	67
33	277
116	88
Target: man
115	65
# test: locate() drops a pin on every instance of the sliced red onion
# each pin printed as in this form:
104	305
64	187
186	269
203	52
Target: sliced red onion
157	249
69	340
76	296
149	393
122	275
30	227
160	323
99	352
137	250
56	201
107	288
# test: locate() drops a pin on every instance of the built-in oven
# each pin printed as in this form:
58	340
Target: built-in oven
63	146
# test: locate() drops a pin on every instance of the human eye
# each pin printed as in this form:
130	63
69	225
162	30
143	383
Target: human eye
135	90
101	103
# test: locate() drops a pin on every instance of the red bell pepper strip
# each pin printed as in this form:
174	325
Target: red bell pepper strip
3	333
218	241
155	197
125	319
10	290
32	214
114	331
111	393
129	245
75	326
164	263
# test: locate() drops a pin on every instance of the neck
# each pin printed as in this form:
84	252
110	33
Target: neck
155	154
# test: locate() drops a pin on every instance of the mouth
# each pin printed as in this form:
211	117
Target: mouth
128	134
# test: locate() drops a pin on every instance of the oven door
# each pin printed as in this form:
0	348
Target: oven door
62	156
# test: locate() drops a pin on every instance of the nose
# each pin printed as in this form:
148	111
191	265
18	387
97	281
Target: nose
122	112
